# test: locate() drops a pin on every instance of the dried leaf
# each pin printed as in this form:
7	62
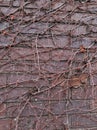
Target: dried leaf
12	17
75	82
82	49
83	78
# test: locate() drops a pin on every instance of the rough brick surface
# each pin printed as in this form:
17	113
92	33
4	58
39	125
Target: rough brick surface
46	47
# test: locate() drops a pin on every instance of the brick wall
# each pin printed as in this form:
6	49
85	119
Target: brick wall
48	56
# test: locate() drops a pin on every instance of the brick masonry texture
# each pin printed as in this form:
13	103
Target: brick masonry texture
48	64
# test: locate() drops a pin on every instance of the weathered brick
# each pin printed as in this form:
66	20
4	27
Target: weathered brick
2	110
59	55
5	124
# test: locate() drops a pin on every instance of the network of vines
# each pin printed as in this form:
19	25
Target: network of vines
48	64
